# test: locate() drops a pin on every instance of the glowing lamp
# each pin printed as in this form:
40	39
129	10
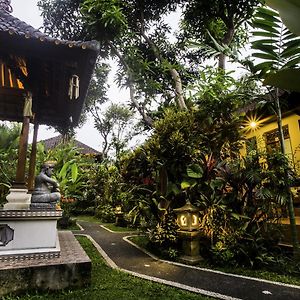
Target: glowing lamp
188	217
119	214
118	209
188	221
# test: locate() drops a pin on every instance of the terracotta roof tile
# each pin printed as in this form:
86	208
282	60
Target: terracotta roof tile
57	140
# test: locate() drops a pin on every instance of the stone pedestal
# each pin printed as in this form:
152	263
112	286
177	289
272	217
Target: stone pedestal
17	199
72	269
190	246
28	234
120	221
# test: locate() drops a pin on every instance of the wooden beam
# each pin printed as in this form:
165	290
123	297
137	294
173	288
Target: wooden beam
32	161
23	144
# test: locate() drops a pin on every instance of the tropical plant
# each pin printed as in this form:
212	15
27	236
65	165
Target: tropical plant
217	20
276	45
115	127
289	12
72	170
240	201
280	50
9	137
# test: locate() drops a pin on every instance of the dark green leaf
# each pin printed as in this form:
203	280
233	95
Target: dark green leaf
289	36
265	34
194	171
290	52
292	63
269	49
264	65
288	79
289	11
265	42
292	43
265	56
267	11
265	16
265	26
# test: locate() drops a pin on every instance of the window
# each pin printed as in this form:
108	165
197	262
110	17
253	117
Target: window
273	142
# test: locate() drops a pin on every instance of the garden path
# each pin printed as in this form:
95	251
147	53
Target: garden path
121	254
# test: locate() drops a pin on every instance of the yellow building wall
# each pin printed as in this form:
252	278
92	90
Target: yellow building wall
292	145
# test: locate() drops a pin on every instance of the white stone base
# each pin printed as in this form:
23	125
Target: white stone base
31	253
17	199
34	232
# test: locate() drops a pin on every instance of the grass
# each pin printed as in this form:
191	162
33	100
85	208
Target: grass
115	228
109	284
72	227
142	241
110	226
87	218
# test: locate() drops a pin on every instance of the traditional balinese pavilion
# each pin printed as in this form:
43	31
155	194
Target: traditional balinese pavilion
43	80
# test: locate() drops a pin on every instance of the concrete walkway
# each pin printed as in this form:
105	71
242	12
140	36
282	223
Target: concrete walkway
121	254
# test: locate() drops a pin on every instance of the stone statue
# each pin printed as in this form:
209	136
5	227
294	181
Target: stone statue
46	191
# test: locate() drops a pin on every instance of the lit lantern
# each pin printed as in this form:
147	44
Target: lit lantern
188	217
188	221
119	216
118	210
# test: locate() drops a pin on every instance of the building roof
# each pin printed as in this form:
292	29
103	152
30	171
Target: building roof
44	65
14	26
58	140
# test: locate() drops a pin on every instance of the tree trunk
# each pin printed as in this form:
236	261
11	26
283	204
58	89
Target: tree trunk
23	143
173	72
148	121
226	41
290	205
178	89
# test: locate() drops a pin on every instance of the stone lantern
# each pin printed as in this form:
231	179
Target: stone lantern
188	221
119	216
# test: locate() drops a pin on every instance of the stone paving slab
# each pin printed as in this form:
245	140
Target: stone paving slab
208	282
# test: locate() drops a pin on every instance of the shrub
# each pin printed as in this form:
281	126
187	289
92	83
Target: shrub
105	213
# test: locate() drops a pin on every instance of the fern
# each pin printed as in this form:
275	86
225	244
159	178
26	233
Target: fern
276	46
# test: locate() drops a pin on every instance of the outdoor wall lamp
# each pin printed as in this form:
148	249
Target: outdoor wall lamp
188	221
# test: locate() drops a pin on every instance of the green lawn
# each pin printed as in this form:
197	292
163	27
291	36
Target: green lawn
109	284
91	219
110	226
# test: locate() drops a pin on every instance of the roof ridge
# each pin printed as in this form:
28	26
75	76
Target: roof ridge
14	26
56	140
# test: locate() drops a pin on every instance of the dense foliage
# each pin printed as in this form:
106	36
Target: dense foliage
9	138
194	150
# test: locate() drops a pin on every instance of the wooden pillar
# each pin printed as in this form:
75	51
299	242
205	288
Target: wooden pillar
32	161
23	144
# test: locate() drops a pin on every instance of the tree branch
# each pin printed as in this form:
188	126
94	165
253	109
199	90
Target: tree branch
148	121
173	72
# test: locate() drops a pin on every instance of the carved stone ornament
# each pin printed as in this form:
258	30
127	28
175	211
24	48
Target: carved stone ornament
5	5
6	234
